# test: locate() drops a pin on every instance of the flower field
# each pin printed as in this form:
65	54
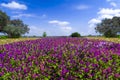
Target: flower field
60	59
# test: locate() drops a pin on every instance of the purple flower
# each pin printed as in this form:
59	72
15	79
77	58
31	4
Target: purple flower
109	69
61	57
86	70
25	70
0	65
64	71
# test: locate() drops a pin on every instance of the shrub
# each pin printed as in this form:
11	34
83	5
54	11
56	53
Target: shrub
118	36
3	37
75	34
89	35
44	34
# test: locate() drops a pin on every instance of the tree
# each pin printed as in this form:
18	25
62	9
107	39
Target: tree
44	34
109	27
4	19
16	28
75	34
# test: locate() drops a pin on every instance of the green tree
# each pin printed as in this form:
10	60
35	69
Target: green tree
16	28
4	19
75	34
109	27
44	34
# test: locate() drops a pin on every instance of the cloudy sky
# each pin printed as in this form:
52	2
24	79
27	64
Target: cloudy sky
61	17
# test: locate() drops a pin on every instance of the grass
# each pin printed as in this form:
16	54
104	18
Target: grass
11	40
116	40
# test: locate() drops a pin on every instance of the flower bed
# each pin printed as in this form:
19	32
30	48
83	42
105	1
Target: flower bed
60	59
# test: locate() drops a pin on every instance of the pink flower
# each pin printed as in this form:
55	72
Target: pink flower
104	71
62	78
42	67
109	69
34	75
117	75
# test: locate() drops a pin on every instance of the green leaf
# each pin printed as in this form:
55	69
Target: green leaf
36	70
7	75
46	78
12	61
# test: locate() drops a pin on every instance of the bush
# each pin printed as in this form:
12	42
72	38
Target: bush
118	36
89	35
75	34
3	37
44	34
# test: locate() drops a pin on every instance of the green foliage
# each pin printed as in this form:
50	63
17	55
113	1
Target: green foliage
12	61
44	34
109	34
3	37
34	36
109	27
15	28
75	34
6	76
118	36
89	35
4	19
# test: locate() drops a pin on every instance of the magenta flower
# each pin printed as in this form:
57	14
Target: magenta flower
42	67
25	70
109	69
34	75
104	71
117	75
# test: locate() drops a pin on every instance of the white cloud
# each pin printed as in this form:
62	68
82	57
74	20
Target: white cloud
82	7
94	21
60	23
108	11
14	5
23	15
105	16
66	28
113	4
63	25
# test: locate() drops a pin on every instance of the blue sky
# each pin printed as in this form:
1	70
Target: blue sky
61	17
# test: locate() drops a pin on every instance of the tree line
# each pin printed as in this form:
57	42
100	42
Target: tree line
13	28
